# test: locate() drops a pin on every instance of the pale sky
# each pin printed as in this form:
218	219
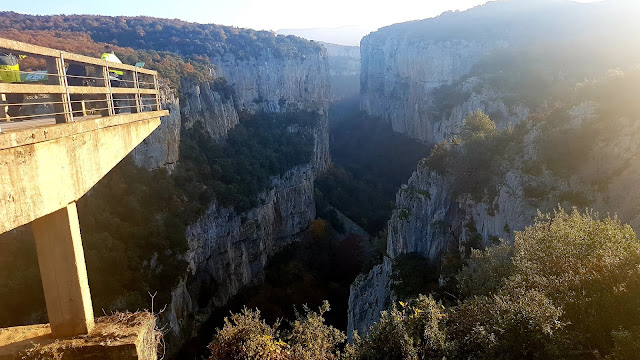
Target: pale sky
257	14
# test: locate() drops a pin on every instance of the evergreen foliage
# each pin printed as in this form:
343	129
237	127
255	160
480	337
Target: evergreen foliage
133	221
246	336
191	40
370	162
568	288
234	172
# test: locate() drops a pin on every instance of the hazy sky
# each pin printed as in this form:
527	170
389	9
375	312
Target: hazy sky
257	14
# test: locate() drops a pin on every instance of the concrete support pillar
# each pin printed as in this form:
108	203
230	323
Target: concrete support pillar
63	272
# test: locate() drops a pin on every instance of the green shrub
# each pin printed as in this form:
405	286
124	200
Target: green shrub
415	330
246	336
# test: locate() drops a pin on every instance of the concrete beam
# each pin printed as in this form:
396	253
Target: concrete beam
63	272
45	169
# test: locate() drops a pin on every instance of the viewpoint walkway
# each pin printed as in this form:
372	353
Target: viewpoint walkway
60	135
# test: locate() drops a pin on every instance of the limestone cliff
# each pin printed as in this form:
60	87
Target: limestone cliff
212	103
274	84
430	221
260	83
161	148
399	77
406	67
344	70
228	251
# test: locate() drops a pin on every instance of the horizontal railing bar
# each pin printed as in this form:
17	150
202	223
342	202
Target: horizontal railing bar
133	91
100	62
37	103
39	72
61	102
39	115
12	88
75	90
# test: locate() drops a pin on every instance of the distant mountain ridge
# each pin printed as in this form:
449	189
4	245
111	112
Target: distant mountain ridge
345	35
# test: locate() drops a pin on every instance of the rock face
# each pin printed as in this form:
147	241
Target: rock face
211	103
161	148
405	65
263	83
276	84
228	251
343	60
399	77
429	221
344	70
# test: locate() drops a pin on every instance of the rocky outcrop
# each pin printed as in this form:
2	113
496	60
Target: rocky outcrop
211	103
228	251
369	295
161	148
274	84
429	221
399	77
262	83
271	83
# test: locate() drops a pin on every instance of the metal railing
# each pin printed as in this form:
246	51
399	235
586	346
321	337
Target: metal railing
51	89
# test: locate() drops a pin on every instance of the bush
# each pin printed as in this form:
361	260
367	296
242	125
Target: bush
246	336
571	288
416	330
568	288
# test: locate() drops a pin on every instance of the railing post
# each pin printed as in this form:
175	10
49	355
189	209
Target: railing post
66	98
107	84
132	104
137	86
61	106
155	83
4	109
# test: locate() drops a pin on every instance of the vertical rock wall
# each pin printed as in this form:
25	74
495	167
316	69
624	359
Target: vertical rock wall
275	84
399	77
162	147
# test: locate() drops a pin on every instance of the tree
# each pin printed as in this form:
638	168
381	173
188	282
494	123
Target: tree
477	124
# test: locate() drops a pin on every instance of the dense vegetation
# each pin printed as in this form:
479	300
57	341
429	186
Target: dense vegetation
133	221
236	171
191	40
370	162
320	267
568	288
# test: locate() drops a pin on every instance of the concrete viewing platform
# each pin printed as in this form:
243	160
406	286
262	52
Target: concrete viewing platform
57	140
126	336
